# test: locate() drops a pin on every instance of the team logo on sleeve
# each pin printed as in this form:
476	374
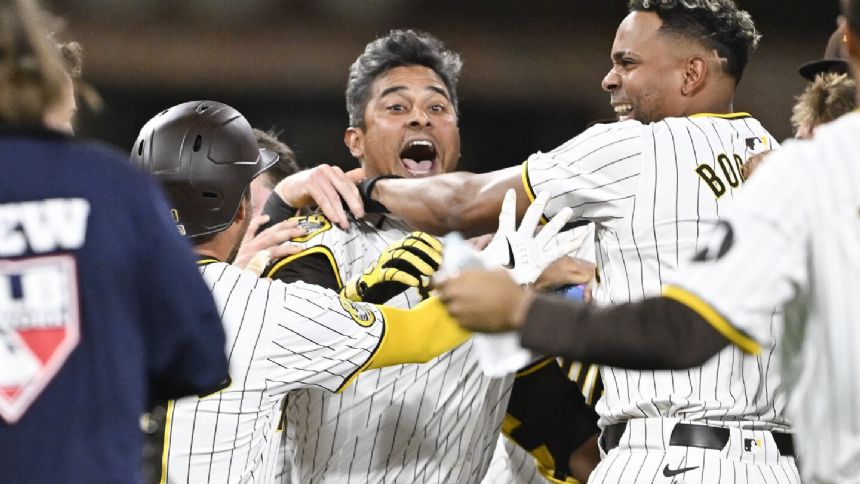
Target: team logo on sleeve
39	327
360	313
314	225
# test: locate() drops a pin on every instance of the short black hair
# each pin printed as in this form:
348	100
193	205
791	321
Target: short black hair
399	48
716	24
851	10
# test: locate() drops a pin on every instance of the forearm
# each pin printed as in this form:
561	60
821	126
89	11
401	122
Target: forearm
465	202
417	335
656	334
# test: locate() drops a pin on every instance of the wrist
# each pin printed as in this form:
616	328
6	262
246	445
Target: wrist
521	304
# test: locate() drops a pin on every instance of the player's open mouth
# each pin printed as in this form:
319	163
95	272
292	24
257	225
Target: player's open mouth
623	110
419	157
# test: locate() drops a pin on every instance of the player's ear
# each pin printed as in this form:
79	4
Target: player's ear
695	71
353	138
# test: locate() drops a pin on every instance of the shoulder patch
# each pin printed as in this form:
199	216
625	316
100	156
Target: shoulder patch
360	314
313	224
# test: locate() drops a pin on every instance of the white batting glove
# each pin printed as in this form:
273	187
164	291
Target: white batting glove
524	253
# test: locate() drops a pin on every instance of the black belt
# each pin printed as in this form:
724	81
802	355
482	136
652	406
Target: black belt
700	436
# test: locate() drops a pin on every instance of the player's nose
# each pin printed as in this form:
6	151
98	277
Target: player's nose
419	118
611	81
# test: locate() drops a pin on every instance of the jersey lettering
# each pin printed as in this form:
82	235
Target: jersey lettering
43	226
730	170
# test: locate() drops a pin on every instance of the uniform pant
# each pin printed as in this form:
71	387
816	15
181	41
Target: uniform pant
645	454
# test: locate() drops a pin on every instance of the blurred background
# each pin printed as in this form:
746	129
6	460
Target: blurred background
531	78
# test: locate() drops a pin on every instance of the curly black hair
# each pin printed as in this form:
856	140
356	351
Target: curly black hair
397	49
716	24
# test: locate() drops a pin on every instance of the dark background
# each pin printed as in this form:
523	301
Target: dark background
531	78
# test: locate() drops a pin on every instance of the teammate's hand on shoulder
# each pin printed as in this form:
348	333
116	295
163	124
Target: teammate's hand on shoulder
408	262
268	244
327	187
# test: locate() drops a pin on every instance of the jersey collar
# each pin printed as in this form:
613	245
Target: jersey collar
721	115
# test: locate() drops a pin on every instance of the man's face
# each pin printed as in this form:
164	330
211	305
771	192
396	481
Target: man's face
261	188
410	128
647	74
59	117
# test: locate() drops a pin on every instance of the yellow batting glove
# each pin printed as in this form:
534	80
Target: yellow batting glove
408	262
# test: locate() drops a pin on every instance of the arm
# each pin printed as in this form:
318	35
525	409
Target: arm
657	333
417	335
465	202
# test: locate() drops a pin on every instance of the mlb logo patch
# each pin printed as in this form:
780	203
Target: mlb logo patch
39	327
753	445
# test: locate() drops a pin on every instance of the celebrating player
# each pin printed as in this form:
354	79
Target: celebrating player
790	243
279	337
653	184
101	307
396	423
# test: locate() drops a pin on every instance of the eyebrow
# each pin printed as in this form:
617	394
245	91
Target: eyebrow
618	55
394	89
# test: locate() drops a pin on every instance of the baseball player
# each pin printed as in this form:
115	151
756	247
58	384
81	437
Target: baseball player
653	184
93	322
790	243
434	422
279	337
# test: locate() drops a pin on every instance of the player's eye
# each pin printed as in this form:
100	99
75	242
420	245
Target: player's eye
438	108
627	63
397	108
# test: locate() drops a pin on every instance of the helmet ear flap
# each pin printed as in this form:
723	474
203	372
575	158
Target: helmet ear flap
205	154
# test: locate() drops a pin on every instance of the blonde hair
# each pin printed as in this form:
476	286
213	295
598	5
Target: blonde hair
826	98
32	73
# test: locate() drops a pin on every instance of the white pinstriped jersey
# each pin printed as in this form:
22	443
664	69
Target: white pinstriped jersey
795	244
435	422
653	191
279	337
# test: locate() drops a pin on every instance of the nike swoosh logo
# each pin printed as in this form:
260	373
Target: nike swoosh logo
669	472
511	262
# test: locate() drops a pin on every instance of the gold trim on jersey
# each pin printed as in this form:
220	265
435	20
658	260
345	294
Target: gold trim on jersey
714	318
528	370
317	249
207	261
168	421
738	115
527	185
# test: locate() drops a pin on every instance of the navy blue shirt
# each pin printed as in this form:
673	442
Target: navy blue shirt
102	310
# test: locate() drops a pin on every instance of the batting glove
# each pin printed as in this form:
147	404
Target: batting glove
409	262
520	250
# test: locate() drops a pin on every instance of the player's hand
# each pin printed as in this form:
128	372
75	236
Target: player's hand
564	271
327	187
522	250
484	301
752	163
408	262
269	244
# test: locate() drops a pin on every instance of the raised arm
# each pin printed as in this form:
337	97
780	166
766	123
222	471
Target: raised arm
465	202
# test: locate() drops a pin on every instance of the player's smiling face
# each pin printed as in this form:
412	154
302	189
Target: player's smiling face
410	127
647	74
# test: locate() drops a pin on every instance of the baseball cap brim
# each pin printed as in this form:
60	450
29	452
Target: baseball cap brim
267	159
811	69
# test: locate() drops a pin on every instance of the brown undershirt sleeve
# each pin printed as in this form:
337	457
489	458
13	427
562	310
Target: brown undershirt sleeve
654	334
